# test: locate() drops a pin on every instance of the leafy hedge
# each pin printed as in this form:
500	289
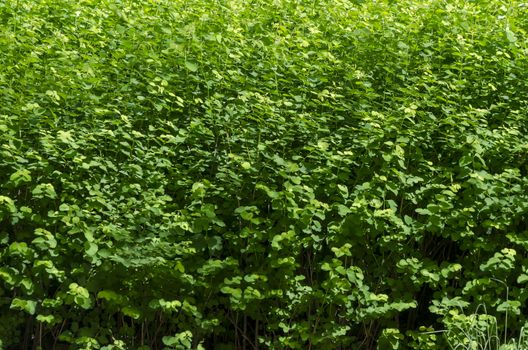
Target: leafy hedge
234	174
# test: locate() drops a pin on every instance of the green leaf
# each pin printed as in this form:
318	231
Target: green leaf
191	66
522	278
111	296
510	306
28	306
90	248
183	340
512	38
48	319
44	191
20	177
234	292
131	312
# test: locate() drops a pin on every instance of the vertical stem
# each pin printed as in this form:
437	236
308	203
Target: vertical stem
58	334
506	317
245	333
237	341
256	334
309	319
27	333
142	333
40	335
133	337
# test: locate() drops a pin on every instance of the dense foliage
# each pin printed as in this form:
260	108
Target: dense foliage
288	174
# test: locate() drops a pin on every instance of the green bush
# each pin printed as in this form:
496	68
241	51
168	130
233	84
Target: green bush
231	174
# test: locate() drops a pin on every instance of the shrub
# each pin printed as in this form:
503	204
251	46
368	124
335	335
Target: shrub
237	174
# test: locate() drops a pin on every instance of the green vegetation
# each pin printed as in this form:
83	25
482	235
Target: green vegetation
288	174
